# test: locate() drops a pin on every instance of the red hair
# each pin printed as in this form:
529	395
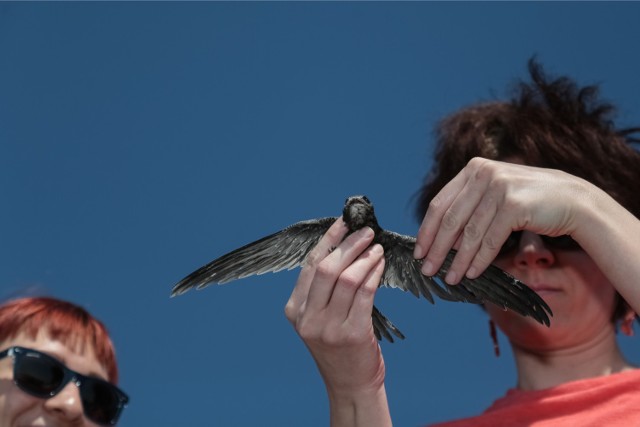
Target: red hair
63	321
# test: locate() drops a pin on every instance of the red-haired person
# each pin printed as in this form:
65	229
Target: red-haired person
544	186
57	366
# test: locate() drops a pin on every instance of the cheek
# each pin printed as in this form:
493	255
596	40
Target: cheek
596	291
14	403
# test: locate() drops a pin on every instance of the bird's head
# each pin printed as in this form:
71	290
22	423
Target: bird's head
358	212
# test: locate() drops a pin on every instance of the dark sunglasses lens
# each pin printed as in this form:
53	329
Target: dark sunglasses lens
511	243
561	242
101	401
565	243
39	376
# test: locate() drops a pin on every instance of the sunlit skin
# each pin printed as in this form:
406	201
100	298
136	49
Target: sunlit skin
19	409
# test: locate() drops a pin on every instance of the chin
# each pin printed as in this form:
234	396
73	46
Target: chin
514	325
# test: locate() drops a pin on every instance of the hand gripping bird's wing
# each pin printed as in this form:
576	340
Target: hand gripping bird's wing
494	285
285	249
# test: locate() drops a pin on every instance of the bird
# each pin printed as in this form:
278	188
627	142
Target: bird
289	247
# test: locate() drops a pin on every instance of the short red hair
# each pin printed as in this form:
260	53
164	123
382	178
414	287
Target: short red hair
64	321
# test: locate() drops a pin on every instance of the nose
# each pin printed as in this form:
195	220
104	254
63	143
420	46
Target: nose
532	252
66	406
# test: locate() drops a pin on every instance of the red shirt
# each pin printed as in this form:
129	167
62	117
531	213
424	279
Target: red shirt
610	400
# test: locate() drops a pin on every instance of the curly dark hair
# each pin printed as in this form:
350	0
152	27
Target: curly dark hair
549	123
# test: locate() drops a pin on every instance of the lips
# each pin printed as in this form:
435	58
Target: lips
541	288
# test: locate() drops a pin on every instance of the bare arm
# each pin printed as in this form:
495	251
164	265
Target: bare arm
330	308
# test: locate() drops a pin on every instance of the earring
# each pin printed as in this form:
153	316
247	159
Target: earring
494	337
627	323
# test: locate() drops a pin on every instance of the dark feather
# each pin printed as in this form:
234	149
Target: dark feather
286	249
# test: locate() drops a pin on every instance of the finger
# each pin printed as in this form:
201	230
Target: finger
351	280
433	217
360	313
494	238
453	222
471	238
458	242
333	265
330	240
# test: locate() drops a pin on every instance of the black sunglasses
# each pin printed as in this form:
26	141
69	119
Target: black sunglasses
563	243
42	376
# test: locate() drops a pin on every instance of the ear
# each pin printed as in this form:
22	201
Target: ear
627	322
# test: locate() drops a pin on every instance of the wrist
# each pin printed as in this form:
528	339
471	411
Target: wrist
592	213
587	202
365	407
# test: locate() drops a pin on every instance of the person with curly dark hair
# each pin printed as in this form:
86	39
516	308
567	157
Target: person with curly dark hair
545	187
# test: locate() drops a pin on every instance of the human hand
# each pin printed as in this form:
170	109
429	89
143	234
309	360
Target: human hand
477	210
330	308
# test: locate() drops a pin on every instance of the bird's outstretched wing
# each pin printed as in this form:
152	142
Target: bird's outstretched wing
285	249
494	285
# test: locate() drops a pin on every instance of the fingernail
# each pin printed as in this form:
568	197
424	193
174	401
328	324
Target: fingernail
365	232
376	249
451	278
418	252
427	268
471	273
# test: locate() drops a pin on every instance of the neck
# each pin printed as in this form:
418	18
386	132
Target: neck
540	369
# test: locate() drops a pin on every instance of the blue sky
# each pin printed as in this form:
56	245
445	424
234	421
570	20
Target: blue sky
139	141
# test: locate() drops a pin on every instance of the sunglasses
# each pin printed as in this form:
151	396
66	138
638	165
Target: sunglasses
42	376
563	243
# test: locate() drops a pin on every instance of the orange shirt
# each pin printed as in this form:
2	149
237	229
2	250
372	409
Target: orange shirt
611	401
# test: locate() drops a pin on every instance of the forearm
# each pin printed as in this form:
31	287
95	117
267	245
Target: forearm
611	236
366	409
